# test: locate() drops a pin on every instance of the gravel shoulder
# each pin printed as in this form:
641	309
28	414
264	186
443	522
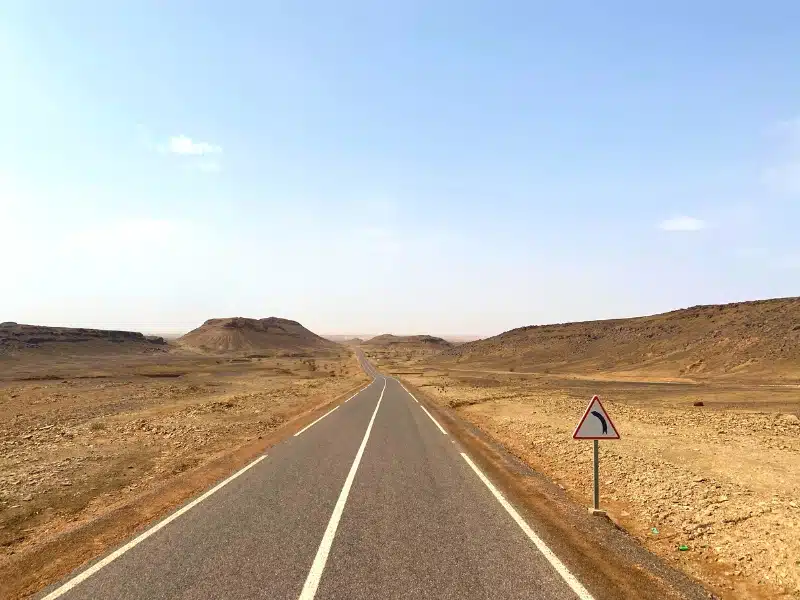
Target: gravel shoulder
722	479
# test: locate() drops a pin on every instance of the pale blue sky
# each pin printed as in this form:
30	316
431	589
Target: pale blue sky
363	167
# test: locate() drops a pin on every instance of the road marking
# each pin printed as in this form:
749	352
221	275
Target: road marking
410	394
317	421
142	537
315	574
562	570
432	419
359	391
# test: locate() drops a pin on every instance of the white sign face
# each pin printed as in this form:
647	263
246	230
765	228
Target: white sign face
595	424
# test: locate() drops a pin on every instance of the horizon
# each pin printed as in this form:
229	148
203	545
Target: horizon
464	337
406	168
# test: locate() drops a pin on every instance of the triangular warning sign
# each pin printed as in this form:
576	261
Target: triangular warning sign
595	424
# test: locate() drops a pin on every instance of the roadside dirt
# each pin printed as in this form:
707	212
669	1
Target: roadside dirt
93	448
596	550
722	479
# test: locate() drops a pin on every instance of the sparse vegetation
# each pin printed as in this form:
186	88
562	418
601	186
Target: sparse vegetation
101	427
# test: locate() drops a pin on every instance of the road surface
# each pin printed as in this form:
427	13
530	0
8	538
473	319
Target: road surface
372	500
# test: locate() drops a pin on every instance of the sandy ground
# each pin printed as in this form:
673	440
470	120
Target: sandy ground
722	479
85	436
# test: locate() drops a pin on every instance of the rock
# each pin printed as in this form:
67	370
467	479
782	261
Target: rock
698	403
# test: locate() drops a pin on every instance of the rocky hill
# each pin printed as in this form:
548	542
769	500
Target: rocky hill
240	334
388	340
17	338
745	339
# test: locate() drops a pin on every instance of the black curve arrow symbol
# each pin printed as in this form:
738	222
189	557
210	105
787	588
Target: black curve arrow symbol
602	420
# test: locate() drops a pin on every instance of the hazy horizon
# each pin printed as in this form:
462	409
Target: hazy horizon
395	168
176	332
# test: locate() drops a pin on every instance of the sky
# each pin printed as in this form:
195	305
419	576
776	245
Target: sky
427	166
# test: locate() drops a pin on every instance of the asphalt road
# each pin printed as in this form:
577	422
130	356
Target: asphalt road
371	501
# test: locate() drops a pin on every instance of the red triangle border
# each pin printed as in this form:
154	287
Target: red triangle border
586	414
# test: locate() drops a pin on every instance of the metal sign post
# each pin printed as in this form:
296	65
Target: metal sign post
596	475
599	427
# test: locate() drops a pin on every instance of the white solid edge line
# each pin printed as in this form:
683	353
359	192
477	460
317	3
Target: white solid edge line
562	570
60	591
318	566
432	419
410	394
317	421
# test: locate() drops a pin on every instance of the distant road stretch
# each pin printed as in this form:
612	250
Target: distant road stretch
373	500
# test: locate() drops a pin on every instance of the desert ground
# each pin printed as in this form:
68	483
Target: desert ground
95	445
103	432
711	466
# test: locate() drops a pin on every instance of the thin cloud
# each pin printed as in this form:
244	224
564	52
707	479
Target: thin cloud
181	144
682	224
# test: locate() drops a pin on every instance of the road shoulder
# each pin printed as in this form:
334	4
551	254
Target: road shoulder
610	562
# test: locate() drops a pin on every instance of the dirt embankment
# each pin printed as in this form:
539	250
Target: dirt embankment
721	479
744	340
85	440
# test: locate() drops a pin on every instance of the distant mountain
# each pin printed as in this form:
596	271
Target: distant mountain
759	338
240	334
15	338
342	339
427	342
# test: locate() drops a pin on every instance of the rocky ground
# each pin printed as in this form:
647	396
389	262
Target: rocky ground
721	480
74	446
